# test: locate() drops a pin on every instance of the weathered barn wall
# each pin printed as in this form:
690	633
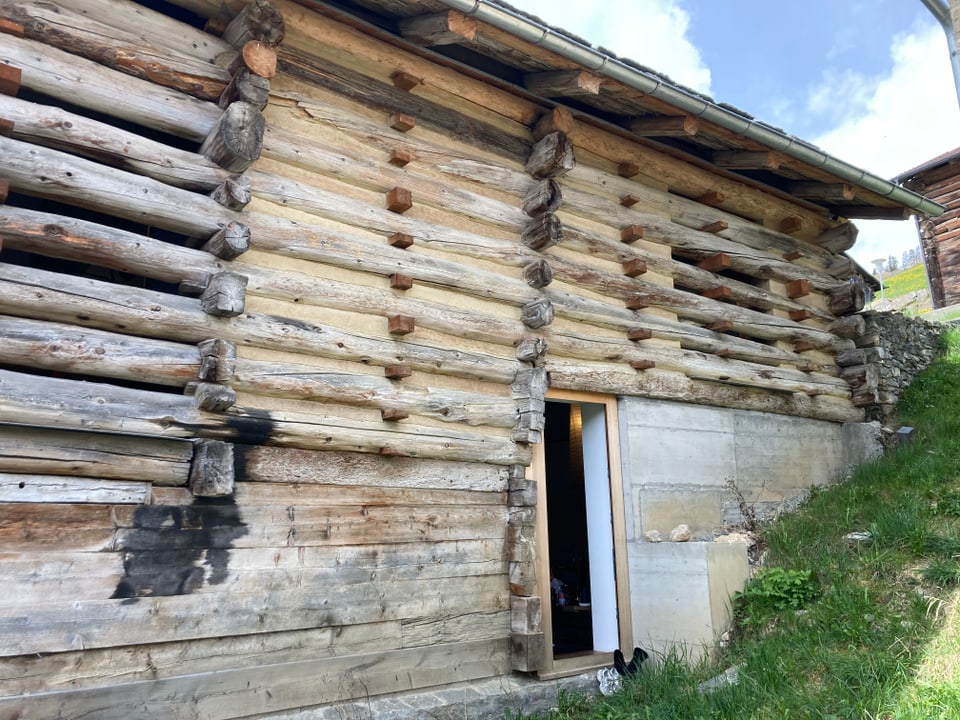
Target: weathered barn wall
267	402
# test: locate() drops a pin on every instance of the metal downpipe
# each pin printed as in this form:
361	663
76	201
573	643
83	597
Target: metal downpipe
941	11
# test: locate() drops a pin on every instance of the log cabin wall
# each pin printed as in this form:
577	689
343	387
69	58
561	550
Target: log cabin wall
940	236
280	305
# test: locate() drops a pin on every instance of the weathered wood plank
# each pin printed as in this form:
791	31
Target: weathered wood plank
22	488
72	625
92	455
67	404
90	85
86	668
274	464
265	689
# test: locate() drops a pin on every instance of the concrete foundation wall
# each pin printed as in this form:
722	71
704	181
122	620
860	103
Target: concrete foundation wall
678	461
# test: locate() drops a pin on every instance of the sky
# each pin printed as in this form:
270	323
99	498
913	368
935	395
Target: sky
868	81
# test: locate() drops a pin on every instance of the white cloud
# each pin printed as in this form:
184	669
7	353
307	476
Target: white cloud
652	33
890	124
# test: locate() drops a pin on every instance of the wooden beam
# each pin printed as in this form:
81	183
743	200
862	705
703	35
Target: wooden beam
538	274
235	141
444	28
247	87
714	227
634	267
798	315
562	83
715	263
10	77
259	20
720	326
400	240
544	196
402	122
537	314
746	160
628	169
404	80
631	233
642	364
629	200
798	288
224	296
791	224
551	157
258	57
869	212
822	192
639	333
559	119
399	200
399	281
233	193
665	126
712	198
542	232
402	156
393	414
229	242
397	372
721	292
9	27
838	239
400	324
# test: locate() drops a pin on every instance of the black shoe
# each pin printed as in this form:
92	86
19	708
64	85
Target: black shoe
618	662
633	667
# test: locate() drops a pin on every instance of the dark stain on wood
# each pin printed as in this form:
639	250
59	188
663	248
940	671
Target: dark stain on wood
175	549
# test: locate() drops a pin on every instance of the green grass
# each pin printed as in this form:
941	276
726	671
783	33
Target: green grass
906	281
841	631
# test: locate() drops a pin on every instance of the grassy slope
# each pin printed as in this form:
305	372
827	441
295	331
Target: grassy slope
906	281
881	638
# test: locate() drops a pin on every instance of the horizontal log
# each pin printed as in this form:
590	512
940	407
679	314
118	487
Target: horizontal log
617	380
90	85
66	348
92	303
68	404
59	129
24	488
48	173
38	451
133	52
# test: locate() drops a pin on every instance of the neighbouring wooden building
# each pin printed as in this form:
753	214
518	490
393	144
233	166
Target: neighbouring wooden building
939	179
351	348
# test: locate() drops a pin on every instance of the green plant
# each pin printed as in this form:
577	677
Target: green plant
777	589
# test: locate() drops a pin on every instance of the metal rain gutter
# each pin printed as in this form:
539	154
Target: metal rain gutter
596	61
941	11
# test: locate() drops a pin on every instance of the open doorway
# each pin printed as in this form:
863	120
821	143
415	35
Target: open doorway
580	533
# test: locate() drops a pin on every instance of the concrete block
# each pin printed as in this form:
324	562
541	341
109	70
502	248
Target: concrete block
662	509
681	593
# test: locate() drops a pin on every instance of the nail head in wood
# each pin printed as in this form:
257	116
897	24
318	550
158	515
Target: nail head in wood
400	324
791	224
720	326
404	80
9	79
639	333
628	169
798	288
402	156
634	267
402	122
400	240
399	281
397	372
798	315
721	292
631	233
715	263
399	200
712	198
715	227
393	414
642	364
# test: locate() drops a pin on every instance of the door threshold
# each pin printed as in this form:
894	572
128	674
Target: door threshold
576	665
